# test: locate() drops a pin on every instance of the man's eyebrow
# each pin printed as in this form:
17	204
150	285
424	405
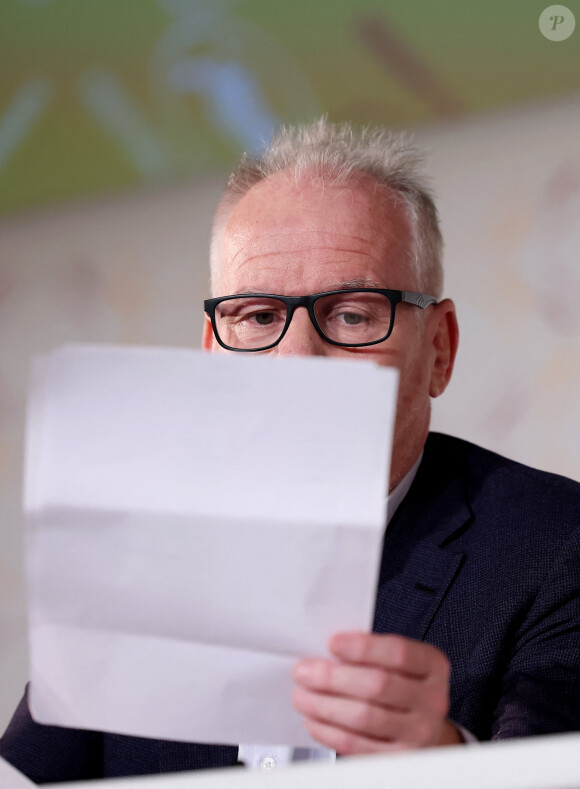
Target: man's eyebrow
247	291
361	282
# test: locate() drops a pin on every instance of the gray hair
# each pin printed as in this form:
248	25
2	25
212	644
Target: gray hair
336	154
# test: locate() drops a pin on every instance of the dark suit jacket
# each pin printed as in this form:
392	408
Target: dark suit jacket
481	560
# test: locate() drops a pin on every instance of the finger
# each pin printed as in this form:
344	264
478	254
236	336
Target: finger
388	688
414	658
359	717
348	743
367	719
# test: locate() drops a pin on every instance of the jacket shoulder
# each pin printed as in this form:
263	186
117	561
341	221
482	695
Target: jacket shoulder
504	490
478	462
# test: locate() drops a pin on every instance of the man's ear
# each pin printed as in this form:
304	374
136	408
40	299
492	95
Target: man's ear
207	335
445	338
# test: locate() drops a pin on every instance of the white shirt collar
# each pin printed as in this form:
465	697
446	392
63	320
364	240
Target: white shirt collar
397	495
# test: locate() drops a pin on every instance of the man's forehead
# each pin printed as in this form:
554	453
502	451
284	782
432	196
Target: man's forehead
312	232
281	214
249	242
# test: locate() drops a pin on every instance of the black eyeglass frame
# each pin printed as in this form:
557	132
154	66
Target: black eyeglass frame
395	297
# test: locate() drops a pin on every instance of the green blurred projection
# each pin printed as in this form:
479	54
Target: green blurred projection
101	95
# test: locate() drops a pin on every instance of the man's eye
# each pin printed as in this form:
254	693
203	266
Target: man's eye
264	318
261	318
253	319
351	318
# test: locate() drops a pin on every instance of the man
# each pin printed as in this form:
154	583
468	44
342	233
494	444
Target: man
330	246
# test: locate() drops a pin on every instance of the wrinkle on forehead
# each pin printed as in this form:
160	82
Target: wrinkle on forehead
244	242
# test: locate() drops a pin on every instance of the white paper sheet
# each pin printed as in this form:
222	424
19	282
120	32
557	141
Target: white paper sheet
195	523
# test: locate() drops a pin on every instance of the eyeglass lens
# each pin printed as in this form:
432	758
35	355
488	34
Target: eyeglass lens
349	318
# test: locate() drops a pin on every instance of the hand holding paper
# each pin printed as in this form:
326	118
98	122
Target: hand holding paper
387	693
197	523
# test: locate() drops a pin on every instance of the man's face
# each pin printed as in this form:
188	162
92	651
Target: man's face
295	239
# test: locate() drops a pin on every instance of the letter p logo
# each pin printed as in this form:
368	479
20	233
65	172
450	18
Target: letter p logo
556	23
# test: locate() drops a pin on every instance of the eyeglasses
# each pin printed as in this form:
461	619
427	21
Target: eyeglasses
350	318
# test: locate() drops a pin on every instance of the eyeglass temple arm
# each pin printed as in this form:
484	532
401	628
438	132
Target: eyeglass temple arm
418	299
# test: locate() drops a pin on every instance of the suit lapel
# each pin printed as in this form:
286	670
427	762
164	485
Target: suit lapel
420	557
407	603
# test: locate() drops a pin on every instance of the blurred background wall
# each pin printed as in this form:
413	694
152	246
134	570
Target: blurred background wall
119	121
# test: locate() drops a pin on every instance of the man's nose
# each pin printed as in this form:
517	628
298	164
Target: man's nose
302	339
